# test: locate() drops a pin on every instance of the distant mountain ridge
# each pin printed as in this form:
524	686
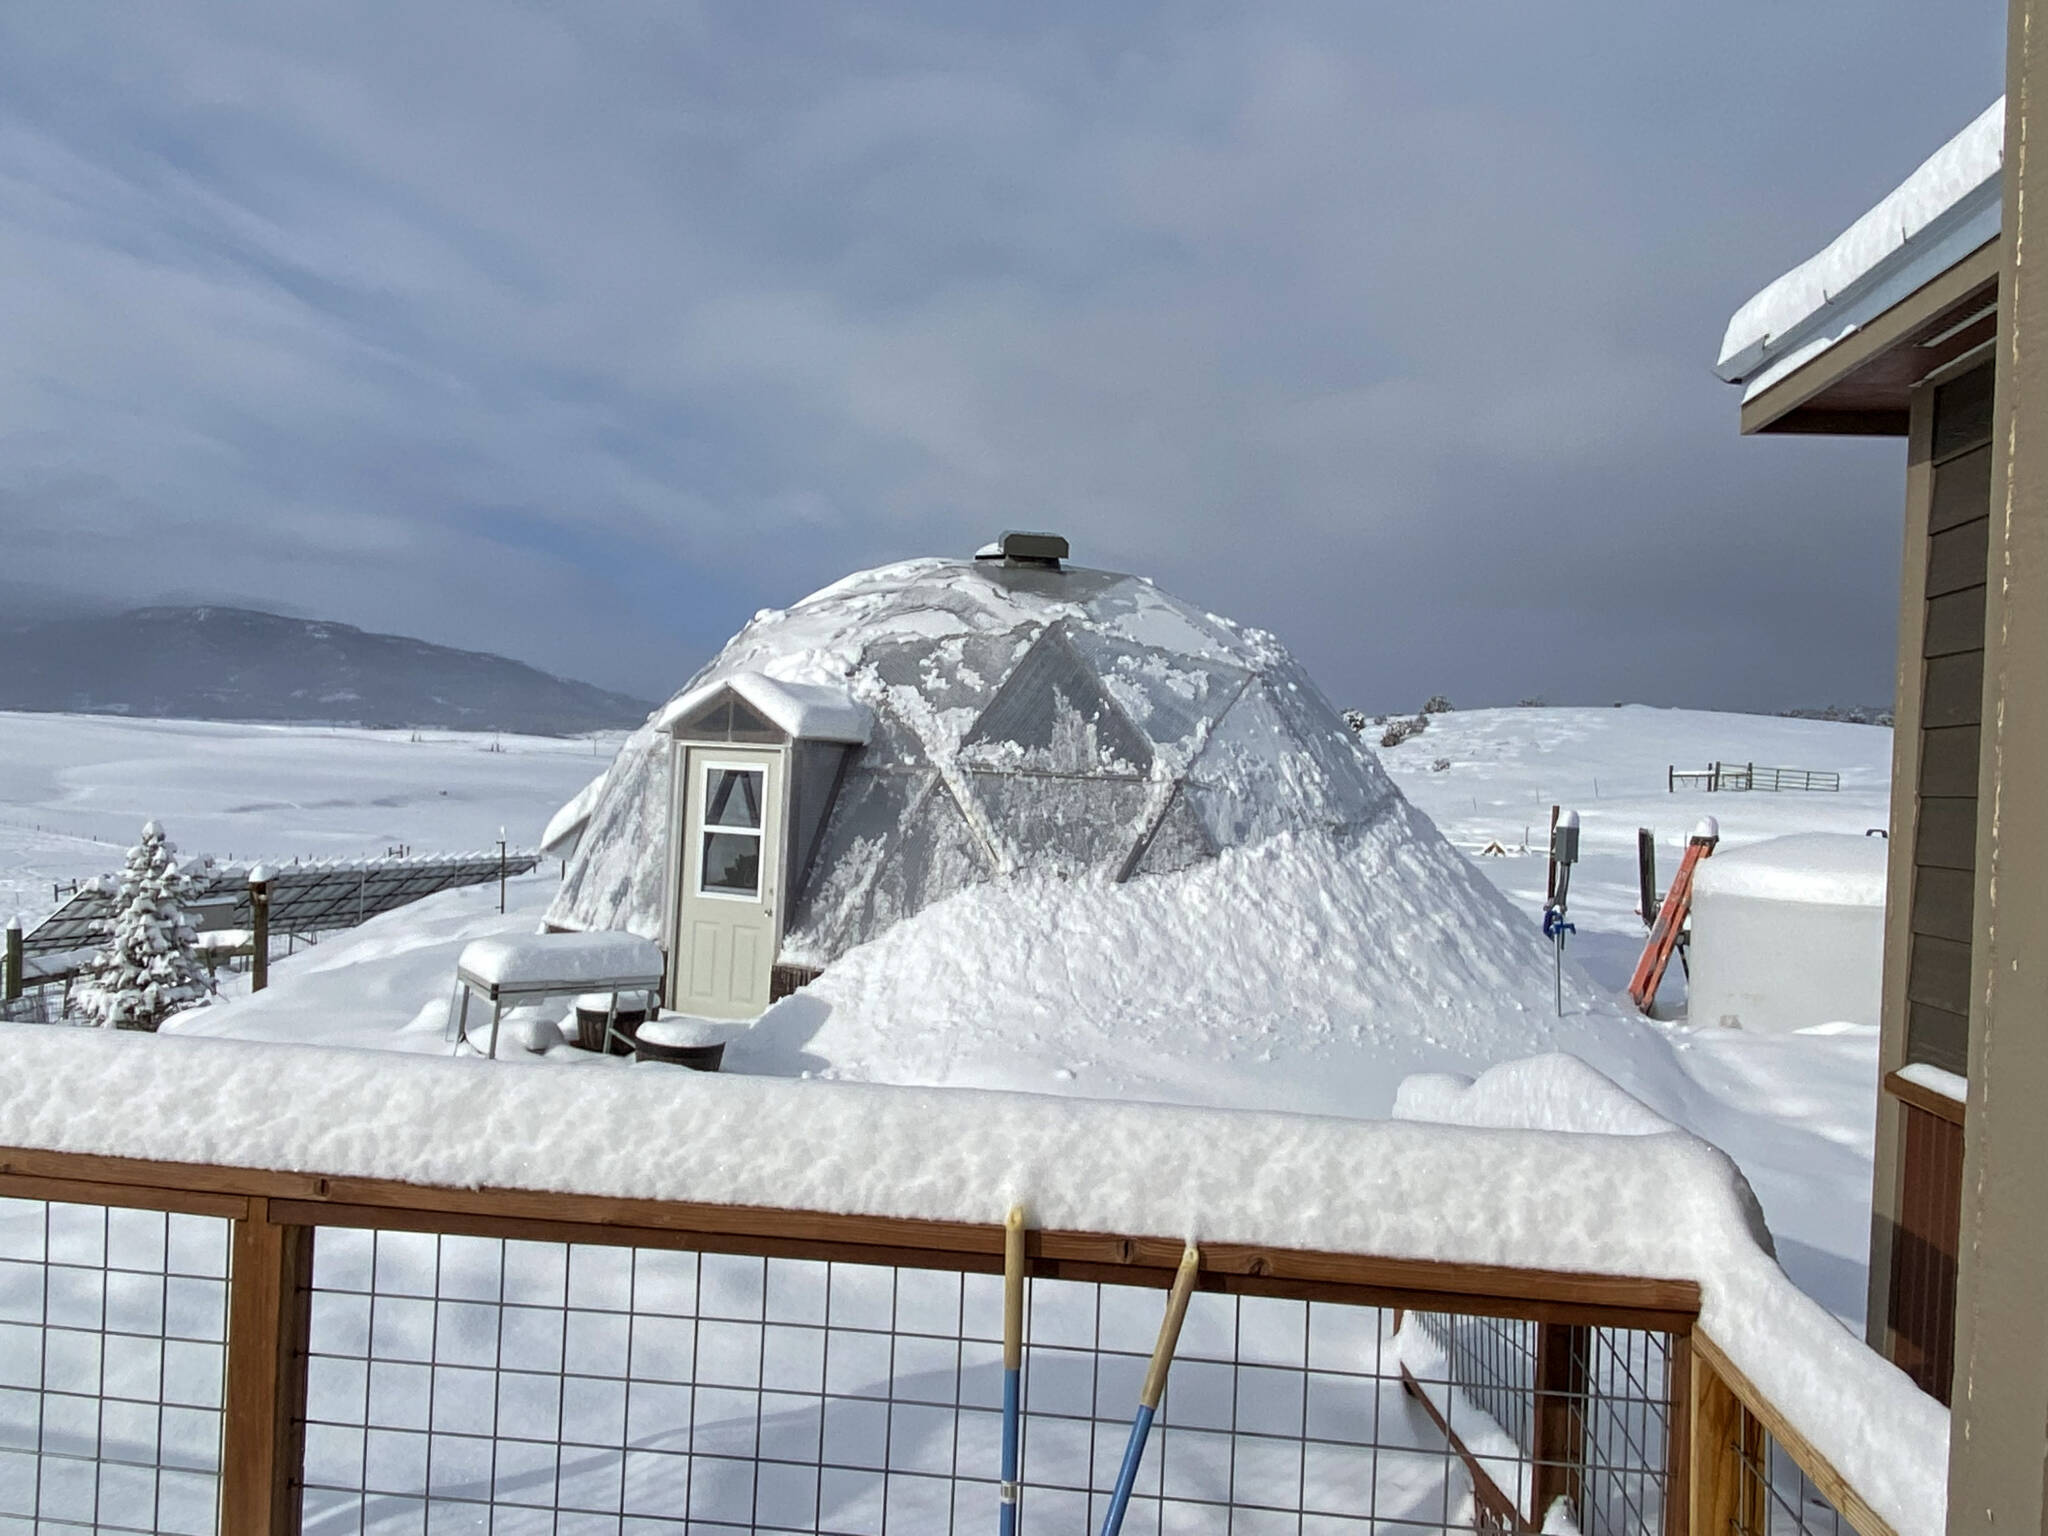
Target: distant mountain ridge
214	663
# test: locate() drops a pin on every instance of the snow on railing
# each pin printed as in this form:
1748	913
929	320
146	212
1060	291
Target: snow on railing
1651	1233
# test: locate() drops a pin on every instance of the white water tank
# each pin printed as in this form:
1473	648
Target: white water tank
1789	933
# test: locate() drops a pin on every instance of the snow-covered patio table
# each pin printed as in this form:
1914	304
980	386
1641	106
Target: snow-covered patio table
527	969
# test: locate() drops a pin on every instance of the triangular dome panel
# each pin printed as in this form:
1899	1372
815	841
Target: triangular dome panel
1051	716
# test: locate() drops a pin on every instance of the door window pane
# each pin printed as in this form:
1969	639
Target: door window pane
732	863
732	797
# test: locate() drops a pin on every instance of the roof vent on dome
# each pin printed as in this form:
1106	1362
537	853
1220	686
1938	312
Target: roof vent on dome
1033	551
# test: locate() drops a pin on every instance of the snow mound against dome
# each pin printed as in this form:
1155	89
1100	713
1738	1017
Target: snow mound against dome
1310	972
1025	722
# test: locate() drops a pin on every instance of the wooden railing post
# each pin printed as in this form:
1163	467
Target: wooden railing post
1726	1497
1558	1430
1678	1370
263	1433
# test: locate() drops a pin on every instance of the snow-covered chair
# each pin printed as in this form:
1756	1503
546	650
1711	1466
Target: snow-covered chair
528	968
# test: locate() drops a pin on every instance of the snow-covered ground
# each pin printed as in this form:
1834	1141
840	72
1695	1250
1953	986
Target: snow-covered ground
1248	1012
76	789
1509	766
1798	1112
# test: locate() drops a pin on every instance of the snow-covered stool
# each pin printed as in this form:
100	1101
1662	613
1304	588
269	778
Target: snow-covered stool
541	965
685	1042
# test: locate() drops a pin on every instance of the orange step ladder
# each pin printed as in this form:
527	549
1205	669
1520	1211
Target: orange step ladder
1671	917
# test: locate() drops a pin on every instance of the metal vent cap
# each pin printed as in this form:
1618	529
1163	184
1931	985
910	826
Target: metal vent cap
1041	551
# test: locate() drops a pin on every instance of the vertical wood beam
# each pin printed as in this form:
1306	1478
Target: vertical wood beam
1715	1477
263	1433
1901	839
1999	1441
259	929
11	966
1678	1369
1558	1428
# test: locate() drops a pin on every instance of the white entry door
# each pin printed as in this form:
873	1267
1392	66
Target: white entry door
728	879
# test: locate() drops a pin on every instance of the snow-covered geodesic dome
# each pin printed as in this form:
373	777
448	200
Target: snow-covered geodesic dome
1023	719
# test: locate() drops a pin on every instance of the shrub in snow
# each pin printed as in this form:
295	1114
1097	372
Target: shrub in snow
150	967
1401	730
1437	705
1355	718
1441	765
1534	701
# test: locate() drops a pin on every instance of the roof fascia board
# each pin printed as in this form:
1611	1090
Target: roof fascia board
1886	329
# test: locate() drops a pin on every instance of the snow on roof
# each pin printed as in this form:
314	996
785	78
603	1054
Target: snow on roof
801	711
1661	1205
566	826
1819	868
1930	221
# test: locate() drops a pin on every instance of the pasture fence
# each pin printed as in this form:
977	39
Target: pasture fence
1739	777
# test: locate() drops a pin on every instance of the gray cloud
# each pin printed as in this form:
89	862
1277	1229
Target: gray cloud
582	332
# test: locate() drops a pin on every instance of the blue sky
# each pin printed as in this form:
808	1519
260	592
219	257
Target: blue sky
582	332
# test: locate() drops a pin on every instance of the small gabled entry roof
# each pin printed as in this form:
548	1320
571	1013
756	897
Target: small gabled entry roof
800	711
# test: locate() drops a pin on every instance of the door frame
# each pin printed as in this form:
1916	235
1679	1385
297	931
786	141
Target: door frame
690	758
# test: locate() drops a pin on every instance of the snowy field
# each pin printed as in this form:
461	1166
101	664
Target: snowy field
1509	766
1269	1026
1797	1111
76	789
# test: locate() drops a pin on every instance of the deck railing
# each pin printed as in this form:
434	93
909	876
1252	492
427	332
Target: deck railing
192	1348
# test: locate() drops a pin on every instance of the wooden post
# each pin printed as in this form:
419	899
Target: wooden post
259	928
10	969
1726	1499
263	1433
1678	1369
1559	1426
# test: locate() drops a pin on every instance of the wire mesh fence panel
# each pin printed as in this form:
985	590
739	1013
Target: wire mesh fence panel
1774	1497
1627	1428
1492	1360
113	1328
1548	1412
505	1385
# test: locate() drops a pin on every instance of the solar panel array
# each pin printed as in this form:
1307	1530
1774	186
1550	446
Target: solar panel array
305	898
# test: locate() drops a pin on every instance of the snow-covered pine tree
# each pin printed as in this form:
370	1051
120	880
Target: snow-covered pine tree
150	967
